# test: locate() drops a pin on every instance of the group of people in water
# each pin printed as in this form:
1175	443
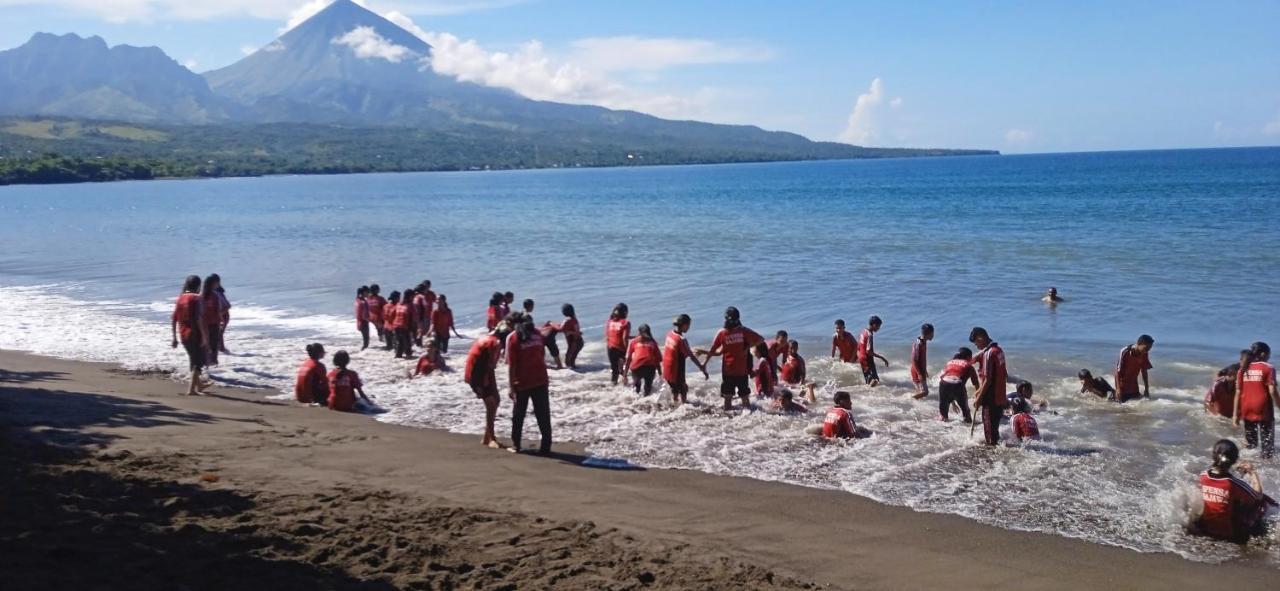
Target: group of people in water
420	317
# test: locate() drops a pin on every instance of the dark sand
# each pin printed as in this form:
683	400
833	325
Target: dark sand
111	480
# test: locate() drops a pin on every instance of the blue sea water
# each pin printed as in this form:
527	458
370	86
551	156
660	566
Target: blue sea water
1182	245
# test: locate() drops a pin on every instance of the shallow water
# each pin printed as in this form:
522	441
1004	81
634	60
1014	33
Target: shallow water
1153	242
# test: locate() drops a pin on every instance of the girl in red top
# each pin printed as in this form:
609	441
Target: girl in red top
617	335
572	332
1233	510
482	360
1256	399
430	361
390	320
211	318
1221	398
763	372
344	384
362	315
734	343
842	342
421	314
442	324
376	303
794	371
494	314
527	372
188	322
404	325
674	353
225	306
643	359
951	388
312	384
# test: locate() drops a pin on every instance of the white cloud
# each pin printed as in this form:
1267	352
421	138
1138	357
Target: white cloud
118	11
896	103
367	44
190	65
625	53
1018	137
1272	127
863	127
248	49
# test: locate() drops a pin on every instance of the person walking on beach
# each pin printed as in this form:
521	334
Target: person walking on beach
344	384
920	361
1233	510
842	342
187	322
376	304
211	316
867	352
1133	362
224	306
643	359
494	314
617	336
442	324
794	372
572	331
312	383
989	399
733	344
482	361
951	384
362	315
674	353
1096	386
1257	399
527	372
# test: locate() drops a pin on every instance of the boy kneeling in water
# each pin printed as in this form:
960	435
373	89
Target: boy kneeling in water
838	423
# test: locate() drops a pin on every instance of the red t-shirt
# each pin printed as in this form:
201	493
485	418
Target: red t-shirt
838	423
866	345
571	328
1231	507
389	316
993	372
527	361
617	333
643	353
311	378
793	370
1025	427
1255	391
777	349
957	371
764	376
426	365
441	321
403	315
492	317
845	345
481	361
187	312
362	312
342	389
674	352
211	311
375	308
734	343
1128	368
1221	397
421	309
919	360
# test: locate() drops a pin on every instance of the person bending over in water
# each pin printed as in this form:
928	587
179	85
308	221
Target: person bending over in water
794	372
1025	391
674	353
643	359
549	330
572	331
838	423
344	384
1256	400
867	352
1133	362
482	361
1221	398
1096	386
362	316
1052	297
188	322
951	384
733	344
785	403
1233	510
1024	425
527	372
312	383
920	361
989	399
763	372
843	343
617	336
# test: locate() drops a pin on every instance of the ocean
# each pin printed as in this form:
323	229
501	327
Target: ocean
1181	245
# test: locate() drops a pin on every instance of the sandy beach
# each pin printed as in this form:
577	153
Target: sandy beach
115	481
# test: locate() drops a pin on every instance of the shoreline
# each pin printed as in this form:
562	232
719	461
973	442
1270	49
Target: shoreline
271	447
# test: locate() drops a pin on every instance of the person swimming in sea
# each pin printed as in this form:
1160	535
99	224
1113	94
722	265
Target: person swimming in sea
785	403
1051	297
1097	386
1024	425
1220	400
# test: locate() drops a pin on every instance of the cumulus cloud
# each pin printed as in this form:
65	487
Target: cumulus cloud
1018	137
117	11
190	65
863	127
1272	127
624	53
368	44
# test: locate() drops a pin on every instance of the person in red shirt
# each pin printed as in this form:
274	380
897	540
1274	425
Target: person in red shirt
989	399
482	361
187	322
404	325
376	304
572	331
920	361
867	352
362	315
617	335
951	384
527	372
430	361
421	314
778	348
312	383
344	384
1024	425
842	342
674	353
643	360
211	320
794	372
1256	399
442	324
391	321
1133	362
763	372
733	343
838	424
494	314
224	304
1221	398
1233	510
429	300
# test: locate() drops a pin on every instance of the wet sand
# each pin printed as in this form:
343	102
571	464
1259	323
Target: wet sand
139	487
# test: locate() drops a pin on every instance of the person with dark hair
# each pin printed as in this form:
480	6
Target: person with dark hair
1024	425
421	314
527	372
211	317
674	353
838	424
1097	386
785	403
187	322
617	336
951	384
989	399
376	304
391	321
430	362
527	306
428	306
867	352
408	299
843	343
1256	400
1133	362
312	383
777	351
442	324
794	372
224	308
762	371
344	384
733	343
1221	398
405	325
549	330
508	298
920	360
482	360
643	359
362	315
1233	510
572	331
1051	297
494	314
1024	391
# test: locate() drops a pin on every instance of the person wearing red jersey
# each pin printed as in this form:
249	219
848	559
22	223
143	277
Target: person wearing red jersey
187	322
494	314
838	424
1024	425
211	320
762	371
920	360
842	342
429	299
225	306
442	324
989	399
1133	362
410	316
508	298
1233	510
527	372
794	373
643	360
312	383
361	309
733	344
951	384
674	353
344	384
867	352
430	362
778	348
404	325
1221	398
572	331
391	321
421	314
1256	400
617	335
376	303
482	361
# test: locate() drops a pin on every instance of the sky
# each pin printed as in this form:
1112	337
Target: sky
1013	76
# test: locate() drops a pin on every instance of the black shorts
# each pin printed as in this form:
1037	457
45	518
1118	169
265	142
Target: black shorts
552	347
740	383
1128	396
195	353
869	371
678	387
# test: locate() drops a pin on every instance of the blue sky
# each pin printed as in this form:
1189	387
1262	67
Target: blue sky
1014	76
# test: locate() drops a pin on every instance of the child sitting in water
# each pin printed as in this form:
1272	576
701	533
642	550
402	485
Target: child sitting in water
763	371
430	362
838	423
1221	398
1024	425
1097	386
786	404
344	384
